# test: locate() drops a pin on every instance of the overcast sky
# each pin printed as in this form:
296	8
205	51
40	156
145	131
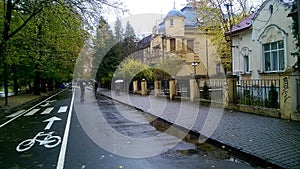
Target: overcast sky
144	14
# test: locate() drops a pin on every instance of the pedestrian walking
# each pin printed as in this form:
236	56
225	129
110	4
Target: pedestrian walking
82	89
95	89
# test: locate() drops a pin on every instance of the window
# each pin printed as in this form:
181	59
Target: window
172	45
171	22
190	46
218	68
156	52
246	63
274	56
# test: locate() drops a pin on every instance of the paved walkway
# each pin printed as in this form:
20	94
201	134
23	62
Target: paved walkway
274	140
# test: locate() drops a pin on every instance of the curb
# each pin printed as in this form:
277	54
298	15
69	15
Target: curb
237	152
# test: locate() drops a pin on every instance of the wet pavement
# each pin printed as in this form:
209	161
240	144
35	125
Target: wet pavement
108	134
269	141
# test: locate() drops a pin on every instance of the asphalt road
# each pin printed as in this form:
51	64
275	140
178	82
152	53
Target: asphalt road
99	134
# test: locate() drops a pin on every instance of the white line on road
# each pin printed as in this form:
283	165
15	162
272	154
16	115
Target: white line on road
63	149
32	112
15	114
62	109
48	110
4	124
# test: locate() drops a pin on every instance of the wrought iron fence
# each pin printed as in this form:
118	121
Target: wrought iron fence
259	93
165	87
183	87
211	89
298	94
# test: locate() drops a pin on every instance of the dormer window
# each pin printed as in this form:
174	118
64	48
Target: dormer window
171	22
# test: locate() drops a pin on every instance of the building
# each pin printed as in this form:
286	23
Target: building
178	37
263	42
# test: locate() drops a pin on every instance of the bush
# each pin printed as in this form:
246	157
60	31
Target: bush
273	96
205	93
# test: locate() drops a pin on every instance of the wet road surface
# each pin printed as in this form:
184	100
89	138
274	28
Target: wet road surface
103	134
86	151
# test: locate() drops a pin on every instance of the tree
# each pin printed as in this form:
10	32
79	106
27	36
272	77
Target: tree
131	69
51	46
129	40
168	67
119	31
129	31
217	17
19	13
103	42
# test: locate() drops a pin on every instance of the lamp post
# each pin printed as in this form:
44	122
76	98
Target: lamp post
195	64
206	46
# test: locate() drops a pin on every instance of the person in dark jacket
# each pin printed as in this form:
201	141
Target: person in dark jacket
82	84
95	88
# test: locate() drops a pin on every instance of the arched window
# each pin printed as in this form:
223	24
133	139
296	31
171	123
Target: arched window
274	55
245	52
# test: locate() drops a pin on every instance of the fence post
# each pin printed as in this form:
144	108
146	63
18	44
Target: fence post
144	87
157	87
193	89
288	95
172	89
231	88
135	86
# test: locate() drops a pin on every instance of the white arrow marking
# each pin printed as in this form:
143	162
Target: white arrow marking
50	122
32	112
62	109
15	114
45	105
48	110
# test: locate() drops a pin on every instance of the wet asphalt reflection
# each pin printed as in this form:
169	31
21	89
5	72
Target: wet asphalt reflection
191	152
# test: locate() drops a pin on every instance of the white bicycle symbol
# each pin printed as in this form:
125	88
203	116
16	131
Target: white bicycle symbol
49	141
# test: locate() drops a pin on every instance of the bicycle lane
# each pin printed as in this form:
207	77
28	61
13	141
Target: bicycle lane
33	137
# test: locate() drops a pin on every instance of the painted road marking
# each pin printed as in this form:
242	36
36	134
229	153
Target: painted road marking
32	112
62	109
12	119
15	114
63	149
50	122
45	105
48	110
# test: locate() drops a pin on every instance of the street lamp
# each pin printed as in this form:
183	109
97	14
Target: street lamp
195	64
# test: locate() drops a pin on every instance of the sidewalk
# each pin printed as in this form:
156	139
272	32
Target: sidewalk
272	140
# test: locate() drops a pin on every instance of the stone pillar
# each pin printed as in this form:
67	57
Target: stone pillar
194	90
231	93
157	87
172	89
144	87
288	95
135	86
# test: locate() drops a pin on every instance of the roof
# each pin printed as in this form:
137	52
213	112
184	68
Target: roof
144	42
190	15
188	12
244	24
248	21
174	12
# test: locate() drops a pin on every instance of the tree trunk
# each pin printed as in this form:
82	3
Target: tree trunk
16	86
4	39
43	85
37	83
